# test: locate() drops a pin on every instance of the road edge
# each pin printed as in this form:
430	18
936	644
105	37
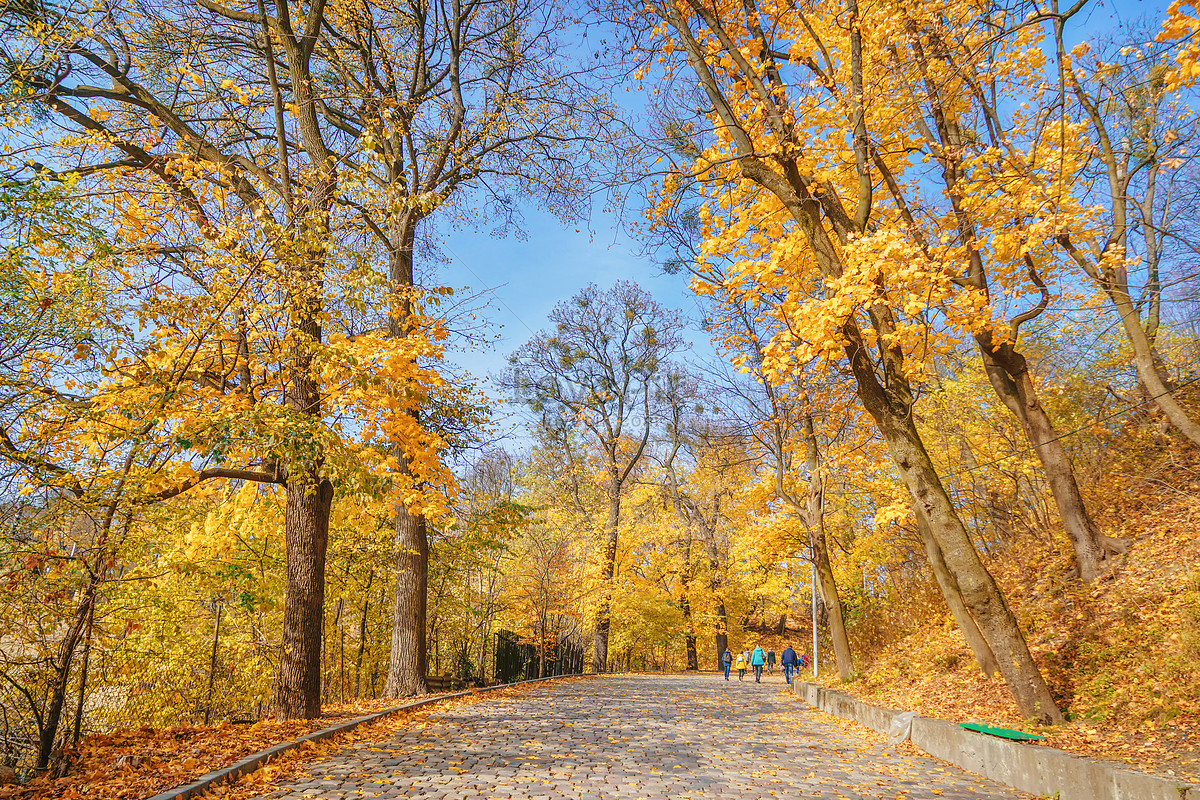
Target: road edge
1031	768
253	762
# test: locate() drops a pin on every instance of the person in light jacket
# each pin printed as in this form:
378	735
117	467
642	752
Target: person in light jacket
741	665
757	659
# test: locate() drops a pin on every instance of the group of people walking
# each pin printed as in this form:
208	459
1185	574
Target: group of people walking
758	660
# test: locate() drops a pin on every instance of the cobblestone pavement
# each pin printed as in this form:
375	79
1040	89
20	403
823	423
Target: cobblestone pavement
626	737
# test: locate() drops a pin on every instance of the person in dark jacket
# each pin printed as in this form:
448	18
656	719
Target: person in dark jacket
770	662
788	661
727	661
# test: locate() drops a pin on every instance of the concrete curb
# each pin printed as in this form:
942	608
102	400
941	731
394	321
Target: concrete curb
251	763
1029	768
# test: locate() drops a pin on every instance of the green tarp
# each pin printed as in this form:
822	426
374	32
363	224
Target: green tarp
1003	733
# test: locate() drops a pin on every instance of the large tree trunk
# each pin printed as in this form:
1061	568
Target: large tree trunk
607	569
298	687
980	593
1009	375
406	666
309	499
407	663
306	522
945	581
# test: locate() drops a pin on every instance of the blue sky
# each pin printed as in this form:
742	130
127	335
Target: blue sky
530	276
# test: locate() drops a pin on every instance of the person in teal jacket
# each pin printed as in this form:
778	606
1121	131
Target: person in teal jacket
757	659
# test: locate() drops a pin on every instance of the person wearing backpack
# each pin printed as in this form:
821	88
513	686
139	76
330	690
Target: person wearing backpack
757	659
727	662
741	665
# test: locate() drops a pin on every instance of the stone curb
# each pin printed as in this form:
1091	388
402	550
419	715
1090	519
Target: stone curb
253	762
1037	770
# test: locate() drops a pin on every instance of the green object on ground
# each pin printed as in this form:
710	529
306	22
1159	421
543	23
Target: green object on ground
1003	733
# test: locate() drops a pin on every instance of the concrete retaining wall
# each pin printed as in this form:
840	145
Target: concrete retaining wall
1028	767
251	763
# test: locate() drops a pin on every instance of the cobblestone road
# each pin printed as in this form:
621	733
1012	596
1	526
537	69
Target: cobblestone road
625	737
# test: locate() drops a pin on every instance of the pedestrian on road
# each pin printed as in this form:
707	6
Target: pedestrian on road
727	662
788	660
770	662
757	659
741	665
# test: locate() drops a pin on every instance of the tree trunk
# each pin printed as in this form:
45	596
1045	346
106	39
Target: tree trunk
212	665
83	676
1147	368
408	660
298	686
829	596
362	636
62	669
945	581
685	580
693	661
980	593
406	666
721	624
607	569
309	497
820	548
1008	372
542	649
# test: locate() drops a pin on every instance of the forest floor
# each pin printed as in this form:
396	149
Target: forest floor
1122	656
130	764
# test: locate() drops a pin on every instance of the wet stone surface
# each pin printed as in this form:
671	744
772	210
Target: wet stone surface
626	737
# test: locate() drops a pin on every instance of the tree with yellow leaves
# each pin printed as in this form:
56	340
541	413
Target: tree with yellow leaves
788	187
438	107
204	125
596	371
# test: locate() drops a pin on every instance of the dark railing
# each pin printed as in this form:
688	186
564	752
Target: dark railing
518	661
